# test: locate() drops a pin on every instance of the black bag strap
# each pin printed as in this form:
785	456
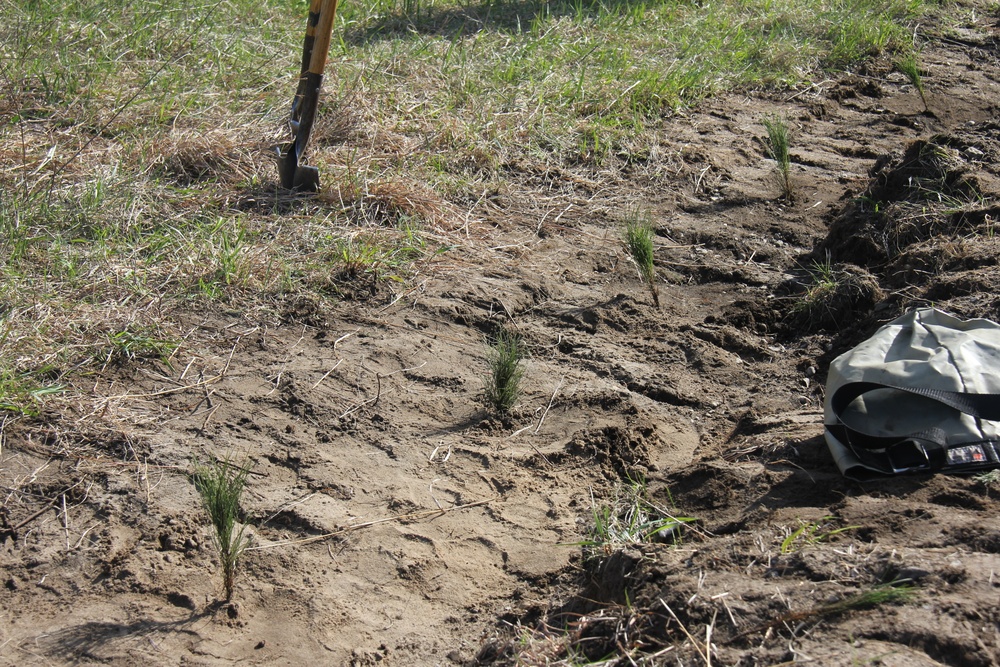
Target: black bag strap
923	450
983	406
927	451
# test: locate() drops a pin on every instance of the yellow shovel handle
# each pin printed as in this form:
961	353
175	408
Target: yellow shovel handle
323	32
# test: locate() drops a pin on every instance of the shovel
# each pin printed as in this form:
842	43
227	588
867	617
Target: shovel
315	49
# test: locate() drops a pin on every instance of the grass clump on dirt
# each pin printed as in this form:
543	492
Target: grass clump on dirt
822	284
629	518
639	243
811	533
831	296
504	356
22	393
221	486
131	344
778	143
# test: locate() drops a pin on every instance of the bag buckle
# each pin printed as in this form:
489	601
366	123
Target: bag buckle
908	456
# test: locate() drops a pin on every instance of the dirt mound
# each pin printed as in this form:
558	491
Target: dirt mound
923	231
836	297
938	188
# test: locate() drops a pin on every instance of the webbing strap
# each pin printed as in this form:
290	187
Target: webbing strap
983	406
923	450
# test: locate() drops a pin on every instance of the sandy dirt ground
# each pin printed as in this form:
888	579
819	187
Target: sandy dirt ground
396	522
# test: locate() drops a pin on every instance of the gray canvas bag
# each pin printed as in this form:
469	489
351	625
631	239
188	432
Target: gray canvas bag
921	395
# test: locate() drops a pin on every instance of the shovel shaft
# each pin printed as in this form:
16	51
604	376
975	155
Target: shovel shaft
323	36
313	79
307	50
311	23
315	50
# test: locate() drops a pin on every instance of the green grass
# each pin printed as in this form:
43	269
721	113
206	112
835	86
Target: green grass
221	486
989	479
639	244
628	518
505	354
133	343
22	393
778	146
824	276
823	283
810	533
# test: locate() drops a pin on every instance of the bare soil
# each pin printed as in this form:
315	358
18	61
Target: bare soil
396	522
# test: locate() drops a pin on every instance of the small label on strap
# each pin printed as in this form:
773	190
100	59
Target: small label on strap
967	454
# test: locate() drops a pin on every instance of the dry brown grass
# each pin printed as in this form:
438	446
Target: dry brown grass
388	202
189	156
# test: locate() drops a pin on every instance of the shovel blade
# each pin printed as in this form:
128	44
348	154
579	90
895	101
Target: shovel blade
306	179
295	176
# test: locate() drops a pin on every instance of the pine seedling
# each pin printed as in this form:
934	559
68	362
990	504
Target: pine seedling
991	479
221	487
503	382
909	66
639	243
778	140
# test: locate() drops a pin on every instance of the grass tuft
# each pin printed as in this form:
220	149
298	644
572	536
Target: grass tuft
989	479
629	518
221	488
504	357
639	244
824	281
131	344
812	532
188	157
22	393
